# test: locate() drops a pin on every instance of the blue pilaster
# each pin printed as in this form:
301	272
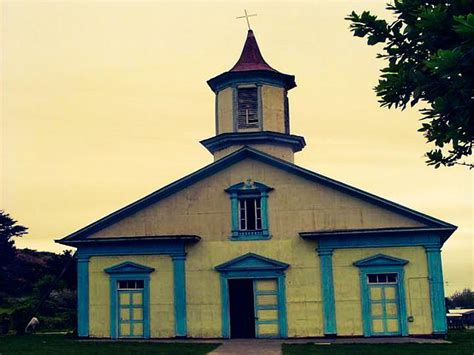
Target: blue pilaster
264	205
435	275
225	307
235	214
327	287
260	106
179	280
83	297
282	306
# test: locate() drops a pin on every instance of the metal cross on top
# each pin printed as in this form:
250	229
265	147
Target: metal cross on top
246	16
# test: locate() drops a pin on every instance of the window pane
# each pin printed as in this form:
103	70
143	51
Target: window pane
250	207
381	278
130	284
242	215
392	277
258	214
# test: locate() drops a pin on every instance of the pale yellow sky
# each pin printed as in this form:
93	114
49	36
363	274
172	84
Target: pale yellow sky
103	102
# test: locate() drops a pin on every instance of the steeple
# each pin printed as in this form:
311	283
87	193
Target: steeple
251	57
252	107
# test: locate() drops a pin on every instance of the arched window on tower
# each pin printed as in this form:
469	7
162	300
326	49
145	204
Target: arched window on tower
247	107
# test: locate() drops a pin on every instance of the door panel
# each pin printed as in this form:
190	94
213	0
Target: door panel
268	330
266	308
267	300
266	285
267	314
393	325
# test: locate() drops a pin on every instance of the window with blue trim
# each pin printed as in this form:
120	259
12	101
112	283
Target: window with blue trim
249	206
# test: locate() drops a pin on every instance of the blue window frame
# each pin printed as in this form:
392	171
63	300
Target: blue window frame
129	300
383	295
249	205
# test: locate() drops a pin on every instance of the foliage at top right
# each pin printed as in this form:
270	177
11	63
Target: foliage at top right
429	48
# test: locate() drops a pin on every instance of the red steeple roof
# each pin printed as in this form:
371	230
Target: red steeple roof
251	66
251	58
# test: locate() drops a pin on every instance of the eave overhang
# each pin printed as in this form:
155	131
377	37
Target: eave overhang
251	76
126	240
443	232
224	140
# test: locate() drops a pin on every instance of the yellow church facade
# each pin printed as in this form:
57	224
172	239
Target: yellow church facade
254	246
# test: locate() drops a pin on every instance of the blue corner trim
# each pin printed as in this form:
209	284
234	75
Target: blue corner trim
327	289
179	287
435	275
234	108
253	266
260	106
216	112
141	274
243	153
225	307
282	306
83	297
372	265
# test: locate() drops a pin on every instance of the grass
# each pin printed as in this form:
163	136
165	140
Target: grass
462	343
67	344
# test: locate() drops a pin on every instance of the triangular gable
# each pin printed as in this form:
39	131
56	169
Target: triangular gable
380	260
252	262
233	158
129	267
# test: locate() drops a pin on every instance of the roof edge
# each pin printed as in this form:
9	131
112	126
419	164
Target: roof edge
224	140
228	78
154	239
355	232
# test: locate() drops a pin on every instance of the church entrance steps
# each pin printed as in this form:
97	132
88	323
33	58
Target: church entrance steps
250	346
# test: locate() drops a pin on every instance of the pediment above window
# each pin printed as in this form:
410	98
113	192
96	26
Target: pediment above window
252	262
248	185
380	260
129	267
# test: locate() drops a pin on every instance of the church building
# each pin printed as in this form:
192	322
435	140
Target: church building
254	246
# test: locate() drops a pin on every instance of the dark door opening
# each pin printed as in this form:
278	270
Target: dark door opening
242	316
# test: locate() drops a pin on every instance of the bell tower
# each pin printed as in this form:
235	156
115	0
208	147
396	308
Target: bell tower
252	108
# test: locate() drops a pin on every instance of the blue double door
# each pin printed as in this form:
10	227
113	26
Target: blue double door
384	309
130	313
254	308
